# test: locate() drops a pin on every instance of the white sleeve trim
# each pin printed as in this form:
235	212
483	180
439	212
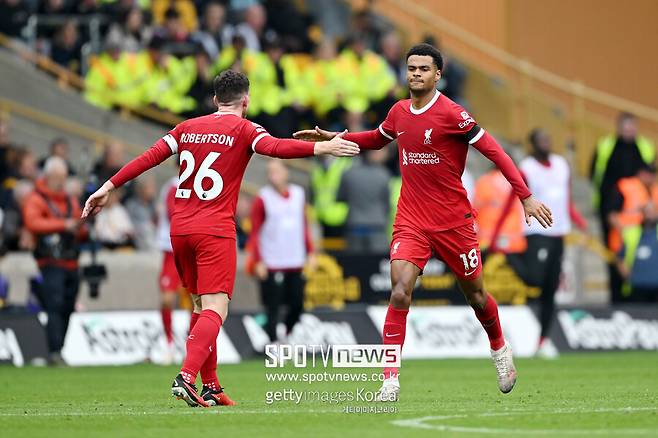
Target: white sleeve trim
171	142
477	136
385	134
257	139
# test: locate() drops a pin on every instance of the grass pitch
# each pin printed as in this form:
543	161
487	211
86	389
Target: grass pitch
614	395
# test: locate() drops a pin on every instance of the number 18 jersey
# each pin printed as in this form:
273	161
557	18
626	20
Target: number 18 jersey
214	151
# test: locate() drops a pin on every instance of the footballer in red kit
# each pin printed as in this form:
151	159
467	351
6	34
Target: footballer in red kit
213	151
434	215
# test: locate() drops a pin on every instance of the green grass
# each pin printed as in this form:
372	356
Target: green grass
611	395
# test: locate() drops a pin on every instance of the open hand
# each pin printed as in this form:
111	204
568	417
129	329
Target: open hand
97	200
533	208
316	134
337	146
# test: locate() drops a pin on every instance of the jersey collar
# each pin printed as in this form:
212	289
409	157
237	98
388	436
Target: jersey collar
427	106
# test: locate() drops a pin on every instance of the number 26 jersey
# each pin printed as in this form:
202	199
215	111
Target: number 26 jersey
213	152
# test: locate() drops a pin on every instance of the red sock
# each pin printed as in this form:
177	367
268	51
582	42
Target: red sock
200	343
193	319
395	327
488	317
209	371
166	323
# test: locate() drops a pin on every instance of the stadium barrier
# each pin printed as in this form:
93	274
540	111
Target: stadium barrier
619	328
438	332
22	340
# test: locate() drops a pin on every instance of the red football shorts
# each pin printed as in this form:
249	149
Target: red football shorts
169	278
457	247
205	263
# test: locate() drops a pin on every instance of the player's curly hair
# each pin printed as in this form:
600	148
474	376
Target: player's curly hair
425	49
230	86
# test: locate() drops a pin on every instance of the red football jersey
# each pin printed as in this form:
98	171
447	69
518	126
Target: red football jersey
432	146
214	151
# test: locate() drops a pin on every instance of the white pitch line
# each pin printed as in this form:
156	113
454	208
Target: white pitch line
175	411
421	423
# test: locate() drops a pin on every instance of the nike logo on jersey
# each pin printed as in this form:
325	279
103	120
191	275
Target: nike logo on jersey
392	335
469	273
399	133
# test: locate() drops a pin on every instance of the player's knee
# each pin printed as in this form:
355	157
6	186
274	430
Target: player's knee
476	297
399	297
196	303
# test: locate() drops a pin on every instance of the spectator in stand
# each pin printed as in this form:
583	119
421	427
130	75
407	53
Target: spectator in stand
110	163
213	35
13	17
21	165
176	37
280	243
253	28
185	9
16	236
66	46
54	219
284	18
54	7
142	212
358	66
616	157
634	235
365	189
392	52
371	25
59	147
87	7
326	178
201	90
113	226
131	34
27	166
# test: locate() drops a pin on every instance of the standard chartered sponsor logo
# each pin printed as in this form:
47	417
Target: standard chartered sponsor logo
419	158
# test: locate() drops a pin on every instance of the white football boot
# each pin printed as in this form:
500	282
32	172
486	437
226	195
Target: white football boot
390	390
504	364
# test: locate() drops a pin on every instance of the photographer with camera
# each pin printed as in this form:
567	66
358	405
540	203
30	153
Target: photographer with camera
52	216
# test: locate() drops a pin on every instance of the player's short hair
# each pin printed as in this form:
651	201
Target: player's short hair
425	49
230	86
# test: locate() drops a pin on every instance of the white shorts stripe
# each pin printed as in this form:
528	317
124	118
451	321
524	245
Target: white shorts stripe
477	136
171	142
385	134
257	139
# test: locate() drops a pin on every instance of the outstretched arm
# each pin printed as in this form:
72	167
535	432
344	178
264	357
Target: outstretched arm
375	139
156	154
337	145
490	148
